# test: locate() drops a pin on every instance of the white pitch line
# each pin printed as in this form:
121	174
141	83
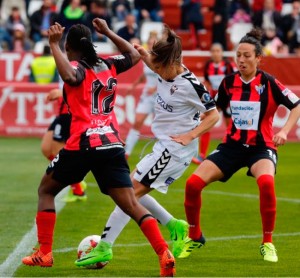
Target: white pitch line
29	240
241	195
229	238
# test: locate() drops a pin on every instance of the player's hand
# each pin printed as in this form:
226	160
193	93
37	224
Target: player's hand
143	52
279	138
53	95
182	139
101	26
55	33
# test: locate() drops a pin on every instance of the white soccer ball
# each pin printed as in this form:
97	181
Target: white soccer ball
85	247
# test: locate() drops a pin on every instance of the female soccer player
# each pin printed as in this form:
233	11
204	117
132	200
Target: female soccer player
180	97
94	144
253	96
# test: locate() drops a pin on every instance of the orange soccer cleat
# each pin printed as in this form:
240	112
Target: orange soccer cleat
39	259
167	264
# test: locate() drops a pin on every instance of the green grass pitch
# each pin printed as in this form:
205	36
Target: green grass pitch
230	221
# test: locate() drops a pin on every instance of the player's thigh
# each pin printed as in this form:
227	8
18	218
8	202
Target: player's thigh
69	167
110	169
46	143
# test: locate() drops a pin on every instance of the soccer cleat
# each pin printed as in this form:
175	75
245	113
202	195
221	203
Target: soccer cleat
101	253
167	264
190	245
71	197
197	160
268	251
39	259
178	236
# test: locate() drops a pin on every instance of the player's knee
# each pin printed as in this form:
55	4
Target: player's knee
266	184
194	185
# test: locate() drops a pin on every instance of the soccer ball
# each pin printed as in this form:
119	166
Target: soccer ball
85	247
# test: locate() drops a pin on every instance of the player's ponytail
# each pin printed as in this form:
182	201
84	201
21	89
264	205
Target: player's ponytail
79	39
167	51
254	37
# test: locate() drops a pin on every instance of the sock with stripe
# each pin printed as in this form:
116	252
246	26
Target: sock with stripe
45	221
192	204
150	229
267	205
77	189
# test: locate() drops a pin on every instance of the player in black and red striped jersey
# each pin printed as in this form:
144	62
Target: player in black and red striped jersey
253	96
94	144
215	69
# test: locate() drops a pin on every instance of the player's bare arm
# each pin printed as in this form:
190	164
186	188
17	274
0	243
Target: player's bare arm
280	137
64	68
145	55
210	119
123	46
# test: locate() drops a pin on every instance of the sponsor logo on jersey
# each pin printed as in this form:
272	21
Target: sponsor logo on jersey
99	130
260	88
163	104
173	89
206	97
169	181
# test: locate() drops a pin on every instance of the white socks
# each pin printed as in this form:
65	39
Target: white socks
131	140
119	219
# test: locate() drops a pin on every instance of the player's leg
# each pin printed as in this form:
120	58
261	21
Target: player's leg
203	175
148	226
263	170
62	170
45	222
133	134
46	145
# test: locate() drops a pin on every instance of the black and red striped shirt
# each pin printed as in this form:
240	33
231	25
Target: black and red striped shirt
91	102
215	72
253	105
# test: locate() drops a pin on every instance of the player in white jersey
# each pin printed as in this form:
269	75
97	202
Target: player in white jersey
146	102
180	98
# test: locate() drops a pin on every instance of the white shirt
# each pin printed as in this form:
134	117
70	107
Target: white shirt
177	107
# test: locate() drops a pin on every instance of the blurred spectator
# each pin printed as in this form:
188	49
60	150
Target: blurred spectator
220	22
269	20
148	10
41	20
239	12
5	39
43	68
97	9
20	41
130	30
191	19
120	9
13	19
291	27
72	14
258	5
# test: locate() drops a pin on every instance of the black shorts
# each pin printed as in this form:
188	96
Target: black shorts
61	127
109	167
230	158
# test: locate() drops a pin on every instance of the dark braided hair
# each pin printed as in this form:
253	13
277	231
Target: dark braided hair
167	50
79	39
254	37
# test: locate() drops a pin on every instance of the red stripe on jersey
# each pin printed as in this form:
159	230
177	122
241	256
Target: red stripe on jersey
91	104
